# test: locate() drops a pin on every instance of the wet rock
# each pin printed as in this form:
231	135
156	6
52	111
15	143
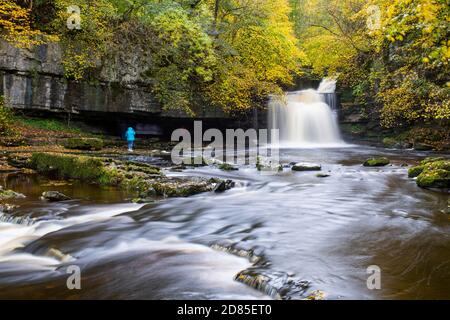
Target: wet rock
432	174
276	284
7	208
316	295
21	220
92	144
431	159
414	172
228	167
264	165
179	187
322	175
54	196
9	194
377	162
306	167
224	186
143	200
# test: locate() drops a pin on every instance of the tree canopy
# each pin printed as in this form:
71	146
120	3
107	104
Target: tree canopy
392	55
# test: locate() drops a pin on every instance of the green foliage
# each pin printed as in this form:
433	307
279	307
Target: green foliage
226	53
47	124
393	55
9	136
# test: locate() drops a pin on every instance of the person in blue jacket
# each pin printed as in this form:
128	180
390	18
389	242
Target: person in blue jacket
130	136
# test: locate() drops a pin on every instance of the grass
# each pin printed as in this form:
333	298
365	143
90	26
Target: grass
48	124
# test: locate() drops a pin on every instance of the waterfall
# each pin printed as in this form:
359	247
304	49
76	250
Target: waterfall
305	119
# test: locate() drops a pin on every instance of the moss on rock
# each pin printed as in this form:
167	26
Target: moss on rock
9	194
63	166
144	178
433	173
377	162
227	167
415	171
438	178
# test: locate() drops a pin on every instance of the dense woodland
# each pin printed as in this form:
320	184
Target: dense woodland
390	57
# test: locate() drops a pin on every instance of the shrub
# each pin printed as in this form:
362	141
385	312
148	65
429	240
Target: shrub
8	134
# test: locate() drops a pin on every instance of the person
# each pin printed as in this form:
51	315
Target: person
130	136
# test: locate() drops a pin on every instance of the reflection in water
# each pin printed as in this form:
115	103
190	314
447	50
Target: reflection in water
306	233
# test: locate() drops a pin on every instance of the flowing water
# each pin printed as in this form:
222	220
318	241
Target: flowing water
285	235
306	232
304	119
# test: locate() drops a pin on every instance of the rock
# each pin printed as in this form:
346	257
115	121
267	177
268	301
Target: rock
420	146
432	174
18	161
92	144
143	200
9	194
316	295
228	167
322	175
262	165
179	187
415	171
144	178
306	167
431	159
377	162
54	196
7	208
224	186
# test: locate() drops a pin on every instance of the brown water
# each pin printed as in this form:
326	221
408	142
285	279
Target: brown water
311	234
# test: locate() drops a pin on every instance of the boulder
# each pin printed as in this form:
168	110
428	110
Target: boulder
306	167
432	174
267	165
7	208
322	175
9	194
224	186
414	172
54	196
377	162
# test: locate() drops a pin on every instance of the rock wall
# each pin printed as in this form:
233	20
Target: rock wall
34	80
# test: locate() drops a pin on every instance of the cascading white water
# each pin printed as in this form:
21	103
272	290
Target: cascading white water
304	119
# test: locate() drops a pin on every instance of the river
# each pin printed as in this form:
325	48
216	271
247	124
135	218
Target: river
293	232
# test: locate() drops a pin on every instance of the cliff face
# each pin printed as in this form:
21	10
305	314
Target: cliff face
34	80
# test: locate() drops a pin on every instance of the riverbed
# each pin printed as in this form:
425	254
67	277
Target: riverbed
289	235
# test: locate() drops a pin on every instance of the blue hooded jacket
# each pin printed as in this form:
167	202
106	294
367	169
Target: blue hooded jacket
130	134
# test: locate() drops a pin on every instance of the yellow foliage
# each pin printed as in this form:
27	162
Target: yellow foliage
15	26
